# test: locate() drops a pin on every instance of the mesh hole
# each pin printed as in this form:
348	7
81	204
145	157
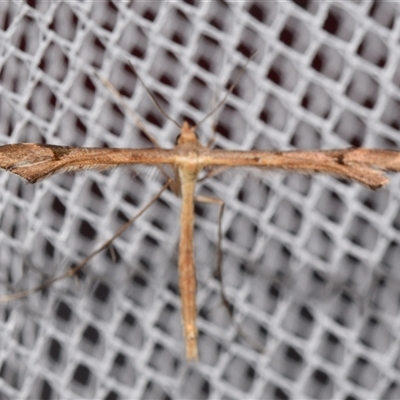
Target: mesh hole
148	11
240	373
392	391
155	391
271	391
363	373
14	75
65	22
220	16
177	27
245	88
250	42
362	233
166	60
264	12
83	381
331	206
287	217
139	291
274	113
54	62
329	62
198	95
295	35
339	23
319	385
299	321
105	15
130	331
320	244
55	354
288	362
351	128
123	370
231	124
42	102
307	5
82	92
136	48
196	385
43	390
242	232
331	348
317	101
390	115
353	272
112	395
345	311
377	202
169	320
383	13
13	370
373	49
306	137
26	35
363	89
283	73
209	54
374	334
163	361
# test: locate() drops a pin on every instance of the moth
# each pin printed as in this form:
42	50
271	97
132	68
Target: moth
187	160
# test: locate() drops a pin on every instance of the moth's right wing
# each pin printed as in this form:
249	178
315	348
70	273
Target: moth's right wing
362	165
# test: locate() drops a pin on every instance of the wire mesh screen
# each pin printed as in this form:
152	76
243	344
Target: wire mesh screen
310	263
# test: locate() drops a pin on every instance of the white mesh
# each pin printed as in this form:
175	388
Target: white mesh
311	264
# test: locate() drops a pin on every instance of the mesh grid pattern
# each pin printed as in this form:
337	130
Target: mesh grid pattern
310	263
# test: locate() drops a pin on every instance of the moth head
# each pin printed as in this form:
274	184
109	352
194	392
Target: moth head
187	134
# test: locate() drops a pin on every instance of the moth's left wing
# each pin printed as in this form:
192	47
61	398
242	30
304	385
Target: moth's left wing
34	162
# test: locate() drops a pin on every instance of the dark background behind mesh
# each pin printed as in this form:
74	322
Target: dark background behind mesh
311	263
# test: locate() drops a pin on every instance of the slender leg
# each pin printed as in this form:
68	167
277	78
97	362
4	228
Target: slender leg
213	172
218	271
78	267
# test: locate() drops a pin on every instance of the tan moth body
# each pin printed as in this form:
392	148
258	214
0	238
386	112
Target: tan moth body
34	162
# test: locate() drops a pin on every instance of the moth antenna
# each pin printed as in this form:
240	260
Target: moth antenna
124	105
154	100
230	90
131	114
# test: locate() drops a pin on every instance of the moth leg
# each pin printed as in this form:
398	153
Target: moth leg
218	272
73	271
212	172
